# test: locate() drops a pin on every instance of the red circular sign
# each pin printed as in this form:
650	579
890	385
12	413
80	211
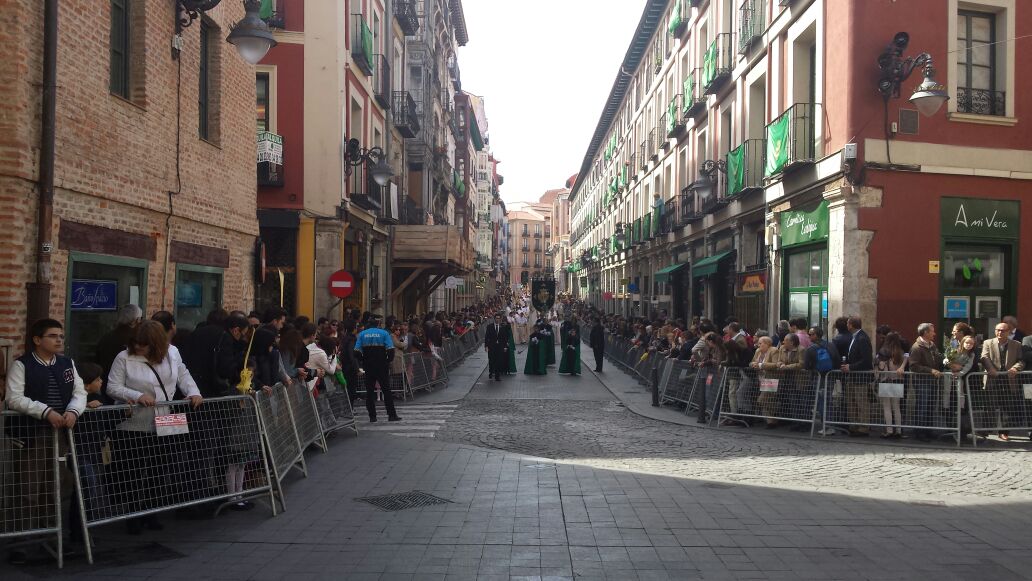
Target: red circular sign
342	284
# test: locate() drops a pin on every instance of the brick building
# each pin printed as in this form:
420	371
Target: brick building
154	167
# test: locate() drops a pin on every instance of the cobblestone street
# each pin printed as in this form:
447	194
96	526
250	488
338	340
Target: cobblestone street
555	478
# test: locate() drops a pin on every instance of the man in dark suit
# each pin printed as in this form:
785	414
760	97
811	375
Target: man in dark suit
1002	360
496	343
859	358
597	340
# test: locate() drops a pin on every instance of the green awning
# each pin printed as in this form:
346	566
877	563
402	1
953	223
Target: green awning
710	264
663	274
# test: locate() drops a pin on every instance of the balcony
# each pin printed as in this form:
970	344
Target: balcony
694	97
636	232
525	233
745	167
432	246
675	124
646	227
390	212
362	44
712	198
653	141
690	213
717	64
670	219
791	139
411	213
408	18
751	23
537	235
365	193
406	118
631	168
679	18
274	14
643	163
382	80
981	101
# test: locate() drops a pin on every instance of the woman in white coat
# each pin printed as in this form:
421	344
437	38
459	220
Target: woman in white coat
150	467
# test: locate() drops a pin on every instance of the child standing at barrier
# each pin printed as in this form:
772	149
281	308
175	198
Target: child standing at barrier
891	364
90	442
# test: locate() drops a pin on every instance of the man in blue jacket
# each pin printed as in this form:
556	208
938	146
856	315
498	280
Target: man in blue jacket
375	350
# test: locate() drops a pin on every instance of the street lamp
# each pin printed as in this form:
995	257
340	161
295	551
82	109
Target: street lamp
251	35
929	96
374	158
706	184
621	234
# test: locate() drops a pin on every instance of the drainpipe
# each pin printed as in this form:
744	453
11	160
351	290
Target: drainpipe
39	292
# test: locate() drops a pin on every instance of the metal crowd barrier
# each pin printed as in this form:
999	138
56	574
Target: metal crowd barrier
126	469
281	439
31	480
333	405
424	371
306	416
773	396
917	402
1000	403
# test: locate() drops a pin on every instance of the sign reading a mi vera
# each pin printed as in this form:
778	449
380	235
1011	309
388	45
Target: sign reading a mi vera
978	218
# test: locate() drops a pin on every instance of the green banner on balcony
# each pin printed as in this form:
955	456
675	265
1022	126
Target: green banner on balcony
736	169
671	120
675	17
367	44
623	176
689	90
646	226
265	12
709	71
777	145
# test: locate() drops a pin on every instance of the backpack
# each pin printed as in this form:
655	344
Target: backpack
824	363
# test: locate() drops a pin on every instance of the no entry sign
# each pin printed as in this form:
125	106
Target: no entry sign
342	284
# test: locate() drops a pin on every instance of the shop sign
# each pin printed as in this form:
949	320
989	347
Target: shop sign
753	283
270	147
956	307
94	295
978	218
804	227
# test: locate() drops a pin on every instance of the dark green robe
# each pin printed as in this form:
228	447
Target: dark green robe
536	358
550	348
512	352
571	363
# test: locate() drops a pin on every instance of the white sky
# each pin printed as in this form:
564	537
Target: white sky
545	69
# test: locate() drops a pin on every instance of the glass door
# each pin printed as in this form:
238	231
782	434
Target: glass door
807	295
198	292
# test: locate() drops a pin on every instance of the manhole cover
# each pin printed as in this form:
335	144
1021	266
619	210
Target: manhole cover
923	462
403	500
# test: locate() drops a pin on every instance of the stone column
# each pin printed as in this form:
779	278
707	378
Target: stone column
850	290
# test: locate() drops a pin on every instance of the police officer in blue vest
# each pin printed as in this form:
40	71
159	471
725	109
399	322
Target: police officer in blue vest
375	350
44	386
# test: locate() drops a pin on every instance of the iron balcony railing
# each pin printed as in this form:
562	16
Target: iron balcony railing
670	219
981	101
679	18
791	138
690	212
751	23
408	17
653	140
674	118
410	213
365	192
382	80
643	163
406	118
717	63
632	169
362	44
716	197
693	95
745	167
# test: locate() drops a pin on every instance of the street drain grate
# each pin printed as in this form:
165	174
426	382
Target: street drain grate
403	500
927	462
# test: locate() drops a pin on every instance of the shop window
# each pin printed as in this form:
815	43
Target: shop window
198	292
975	269
808	286
97	287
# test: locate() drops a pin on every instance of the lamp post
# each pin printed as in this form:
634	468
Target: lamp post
373	157
929	96
251	35
706	184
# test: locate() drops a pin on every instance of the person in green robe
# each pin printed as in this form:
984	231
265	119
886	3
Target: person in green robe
570	362
546	332
536	358
512	349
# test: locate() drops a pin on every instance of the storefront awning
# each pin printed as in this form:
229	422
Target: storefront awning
710	264
663	274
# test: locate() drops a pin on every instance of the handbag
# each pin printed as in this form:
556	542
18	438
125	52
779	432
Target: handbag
167	424
890	390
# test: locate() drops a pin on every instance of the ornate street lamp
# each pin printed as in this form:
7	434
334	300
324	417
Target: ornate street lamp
705	185
929	96
374	158
251	35
621	234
